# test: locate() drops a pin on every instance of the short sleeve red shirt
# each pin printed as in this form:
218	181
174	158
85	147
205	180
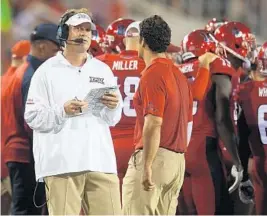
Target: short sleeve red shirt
164	92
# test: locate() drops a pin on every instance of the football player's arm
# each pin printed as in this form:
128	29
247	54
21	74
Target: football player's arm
243	147
153	97
223	119
200	84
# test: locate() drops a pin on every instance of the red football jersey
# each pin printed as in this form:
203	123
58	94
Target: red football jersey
127	68
253	100
203	111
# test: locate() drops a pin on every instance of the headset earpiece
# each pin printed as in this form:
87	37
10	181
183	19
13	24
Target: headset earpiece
63	29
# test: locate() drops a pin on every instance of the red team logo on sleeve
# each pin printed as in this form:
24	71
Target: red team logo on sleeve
30	101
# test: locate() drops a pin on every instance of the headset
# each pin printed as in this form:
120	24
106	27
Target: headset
63	30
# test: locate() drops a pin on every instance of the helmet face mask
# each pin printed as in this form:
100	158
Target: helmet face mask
109	40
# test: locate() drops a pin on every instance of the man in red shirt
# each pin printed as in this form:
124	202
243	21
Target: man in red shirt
211	121
127	68
19	53
162	102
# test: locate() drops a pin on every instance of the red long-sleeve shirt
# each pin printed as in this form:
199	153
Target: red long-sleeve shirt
15	135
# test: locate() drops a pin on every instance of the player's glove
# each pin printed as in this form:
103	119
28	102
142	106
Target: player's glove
246	192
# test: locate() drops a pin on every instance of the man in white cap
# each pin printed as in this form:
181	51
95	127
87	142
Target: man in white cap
73	149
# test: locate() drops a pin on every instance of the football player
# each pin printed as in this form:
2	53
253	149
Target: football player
239	46
205	188
211	26
127	68
253	127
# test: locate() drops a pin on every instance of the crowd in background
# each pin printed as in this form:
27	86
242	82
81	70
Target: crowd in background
250	12
26	14
18	18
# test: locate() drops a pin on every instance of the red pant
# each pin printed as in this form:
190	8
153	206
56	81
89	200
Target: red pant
259	178
204	191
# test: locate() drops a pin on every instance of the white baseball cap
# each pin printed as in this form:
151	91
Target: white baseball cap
133	25
80	18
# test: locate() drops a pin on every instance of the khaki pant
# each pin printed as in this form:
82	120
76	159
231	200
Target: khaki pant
167	173
98	194
5	186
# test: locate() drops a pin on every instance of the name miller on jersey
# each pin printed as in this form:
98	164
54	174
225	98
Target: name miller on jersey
125	65
262	92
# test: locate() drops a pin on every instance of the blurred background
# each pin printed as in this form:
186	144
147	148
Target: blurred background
19	17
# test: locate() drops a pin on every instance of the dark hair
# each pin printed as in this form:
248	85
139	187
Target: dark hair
156	33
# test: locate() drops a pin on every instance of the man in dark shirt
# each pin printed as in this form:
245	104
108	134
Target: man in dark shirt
17	138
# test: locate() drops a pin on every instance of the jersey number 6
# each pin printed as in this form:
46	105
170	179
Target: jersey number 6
262	122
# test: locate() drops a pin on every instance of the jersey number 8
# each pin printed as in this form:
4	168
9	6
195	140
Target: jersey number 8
129	94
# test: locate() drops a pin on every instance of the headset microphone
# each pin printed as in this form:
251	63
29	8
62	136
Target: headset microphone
77	40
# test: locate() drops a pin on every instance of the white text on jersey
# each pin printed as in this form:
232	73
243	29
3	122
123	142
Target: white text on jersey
125	65
187	68
263	92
